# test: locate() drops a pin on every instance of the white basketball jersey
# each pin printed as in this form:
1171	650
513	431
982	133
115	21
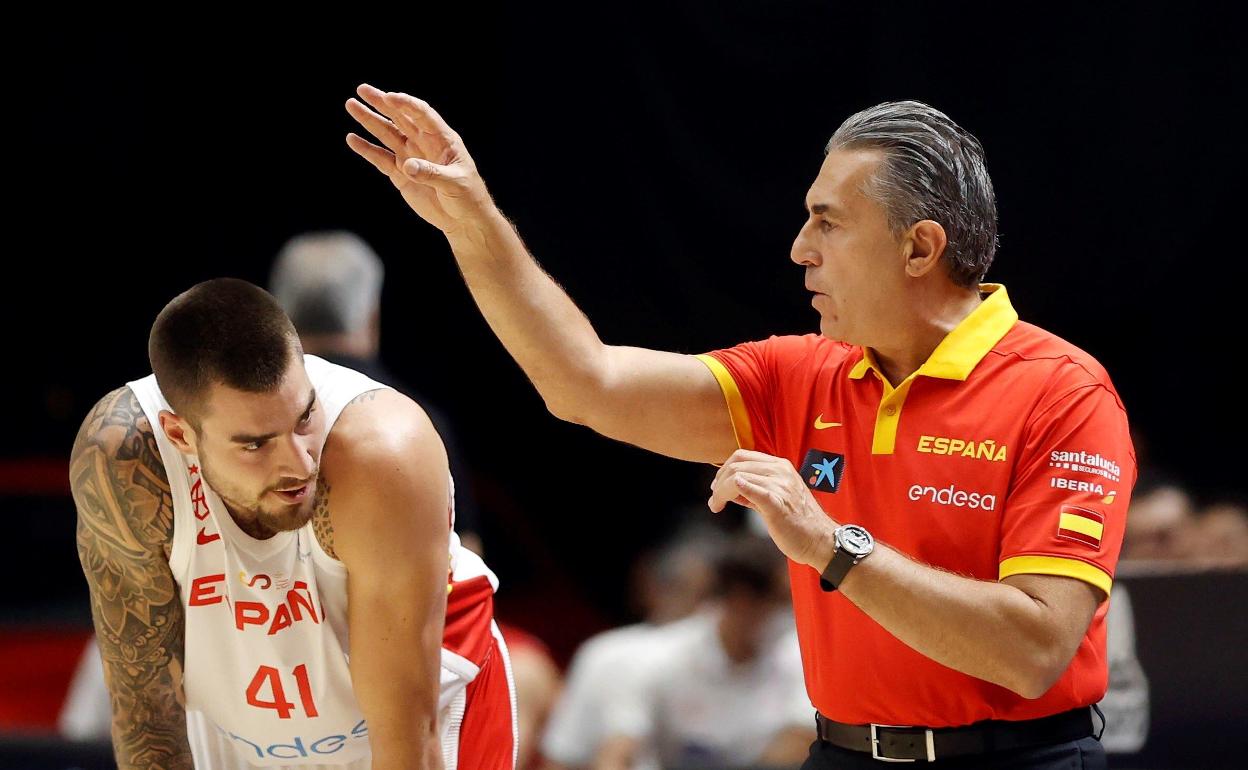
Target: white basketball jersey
266	644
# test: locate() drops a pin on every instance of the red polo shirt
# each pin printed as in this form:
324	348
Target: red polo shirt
1006	453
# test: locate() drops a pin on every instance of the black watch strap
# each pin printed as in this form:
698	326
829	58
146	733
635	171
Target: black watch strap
831	578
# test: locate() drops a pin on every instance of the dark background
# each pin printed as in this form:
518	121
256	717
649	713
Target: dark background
655	162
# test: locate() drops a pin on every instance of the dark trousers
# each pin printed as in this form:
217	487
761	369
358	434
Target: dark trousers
1083	754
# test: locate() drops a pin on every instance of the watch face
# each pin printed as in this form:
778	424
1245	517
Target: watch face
856	540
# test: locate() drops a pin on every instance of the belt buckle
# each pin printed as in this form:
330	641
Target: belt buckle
875	743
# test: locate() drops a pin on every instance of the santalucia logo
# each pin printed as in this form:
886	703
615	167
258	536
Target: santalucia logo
1086	463
978	450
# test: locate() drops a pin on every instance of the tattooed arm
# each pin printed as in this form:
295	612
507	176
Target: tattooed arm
125	524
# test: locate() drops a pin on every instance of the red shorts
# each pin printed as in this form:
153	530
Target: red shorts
486	738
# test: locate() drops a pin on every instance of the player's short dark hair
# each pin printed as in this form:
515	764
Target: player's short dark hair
748	563
932	169
224	331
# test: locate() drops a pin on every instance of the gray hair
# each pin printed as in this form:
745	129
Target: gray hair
932	169
328	282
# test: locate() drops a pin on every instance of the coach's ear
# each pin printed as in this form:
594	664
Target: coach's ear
922	246
180	432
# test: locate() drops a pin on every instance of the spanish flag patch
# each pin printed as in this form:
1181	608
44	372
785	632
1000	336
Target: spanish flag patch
1081	525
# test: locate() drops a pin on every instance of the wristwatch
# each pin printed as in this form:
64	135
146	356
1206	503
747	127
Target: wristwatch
853	544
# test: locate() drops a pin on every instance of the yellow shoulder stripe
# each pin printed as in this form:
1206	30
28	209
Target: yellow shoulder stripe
1056	565
736	404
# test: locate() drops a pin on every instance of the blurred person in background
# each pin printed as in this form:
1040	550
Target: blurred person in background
1125	707
538	683
86	714
1160	521
722	689
1222	535
669	585
1167	530
673	580
330	284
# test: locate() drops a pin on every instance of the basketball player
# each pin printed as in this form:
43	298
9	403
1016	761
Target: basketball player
265	536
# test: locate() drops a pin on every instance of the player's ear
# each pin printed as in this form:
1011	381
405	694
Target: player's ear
180	432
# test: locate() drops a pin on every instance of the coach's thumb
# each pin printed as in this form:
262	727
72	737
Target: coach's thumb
423	171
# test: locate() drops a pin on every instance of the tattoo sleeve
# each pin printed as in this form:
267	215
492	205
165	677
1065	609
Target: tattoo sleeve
125	523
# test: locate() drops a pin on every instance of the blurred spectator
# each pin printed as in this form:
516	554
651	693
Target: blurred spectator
329	283
1125	705
1161	510
667	585
87	714
723	688
1158	524
1221	537
1164	525
672	583
537	684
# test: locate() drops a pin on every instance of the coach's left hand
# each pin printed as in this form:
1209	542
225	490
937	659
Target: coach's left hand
771	486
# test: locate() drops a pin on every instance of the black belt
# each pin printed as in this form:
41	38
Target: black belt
892	743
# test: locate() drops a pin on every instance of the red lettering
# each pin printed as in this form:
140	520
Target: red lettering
281	619
305	689
295	599
253	613
279	702
203	590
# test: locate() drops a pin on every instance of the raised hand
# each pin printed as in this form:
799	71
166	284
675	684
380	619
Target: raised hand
421	155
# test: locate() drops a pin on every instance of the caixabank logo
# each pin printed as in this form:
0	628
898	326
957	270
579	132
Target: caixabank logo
823	471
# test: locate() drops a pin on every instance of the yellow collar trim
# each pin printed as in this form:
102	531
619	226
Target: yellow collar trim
962	349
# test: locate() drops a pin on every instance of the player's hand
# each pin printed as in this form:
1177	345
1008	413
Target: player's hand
421	155
771	486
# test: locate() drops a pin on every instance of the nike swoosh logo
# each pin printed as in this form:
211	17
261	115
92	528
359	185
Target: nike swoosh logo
821	425
205	539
